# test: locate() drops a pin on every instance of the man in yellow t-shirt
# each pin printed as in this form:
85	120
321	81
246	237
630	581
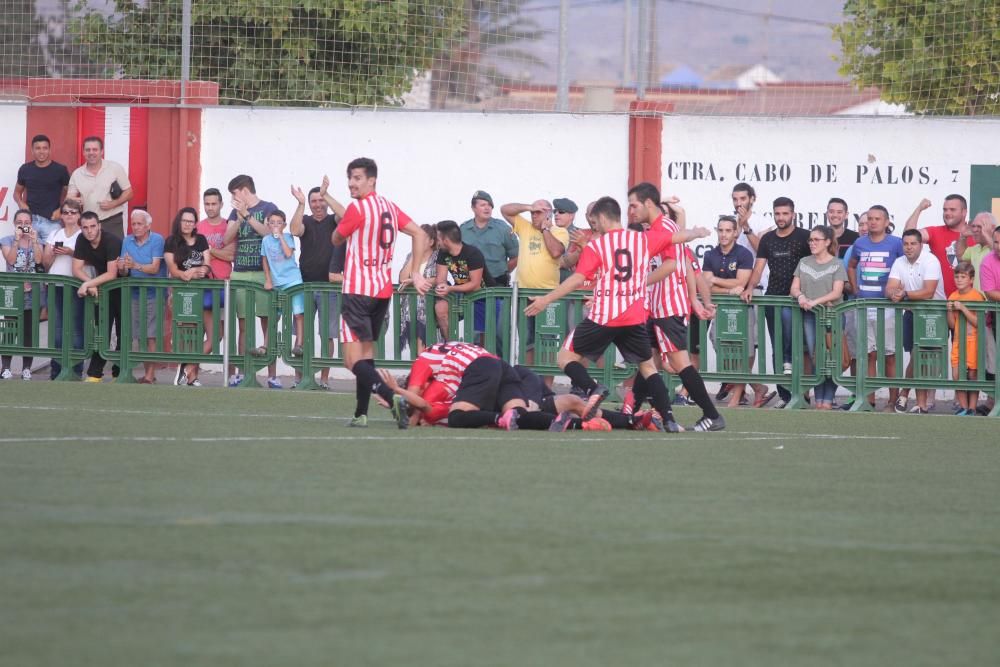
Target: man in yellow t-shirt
541	244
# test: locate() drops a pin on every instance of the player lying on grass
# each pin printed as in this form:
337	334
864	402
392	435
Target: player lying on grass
431	403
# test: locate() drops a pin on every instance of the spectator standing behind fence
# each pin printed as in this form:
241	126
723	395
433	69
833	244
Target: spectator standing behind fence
213	227
872	257
22	251
989	282
836	217
975	242
752	225
493	237
142	257
540	244
247	225
957	311
315	232
780	252
728	268
565	215
916	276
95	262
103	187
57	258
188	257
849	358
41	188
281	272
427	266
467	268
819	281
943	239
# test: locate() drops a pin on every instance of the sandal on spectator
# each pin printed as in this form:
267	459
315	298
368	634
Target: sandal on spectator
761	401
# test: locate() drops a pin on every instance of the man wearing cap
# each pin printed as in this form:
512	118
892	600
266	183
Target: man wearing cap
492	237
565	210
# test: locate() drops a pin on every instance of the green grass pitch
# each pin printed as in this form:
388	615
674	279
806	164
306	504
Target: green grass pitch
170	526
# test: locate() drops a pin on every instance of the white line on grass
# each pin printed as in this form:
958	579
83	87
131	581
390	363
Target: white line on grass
731	435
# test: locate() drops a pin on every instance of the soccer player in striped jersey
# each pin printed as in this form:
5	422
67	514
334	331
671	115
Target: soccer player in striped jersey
484	389
617	260
370	227
671	303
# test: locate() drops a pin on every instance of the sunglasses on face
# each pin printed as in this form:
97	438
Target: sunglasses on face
69	211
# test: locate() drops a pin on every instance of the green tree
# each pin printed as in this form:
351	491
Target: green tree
934	56
350	52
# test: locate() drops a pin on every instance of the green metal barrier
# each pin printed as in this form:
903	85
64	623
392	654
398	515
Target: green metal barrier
733	350
932	340
551	329
180	320
18	324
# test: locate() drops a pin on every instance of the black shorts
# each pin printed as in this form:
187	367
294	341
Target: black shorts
489	383
590	340
668	334
361	317
534	389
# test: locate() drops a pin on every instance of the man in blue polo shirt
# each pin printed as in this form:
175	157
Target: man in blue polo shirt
493	237
142	257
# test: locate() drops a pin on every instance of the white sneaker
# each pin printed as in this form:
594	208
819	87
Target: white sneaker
6	374
26	374
788	368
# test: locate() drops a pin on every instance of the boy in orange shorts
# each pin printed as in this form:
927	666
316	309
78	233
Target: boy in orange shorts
964	273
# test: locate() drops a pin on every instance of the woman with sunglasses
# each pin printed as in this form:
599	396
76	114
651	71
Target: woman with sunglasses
819	281
57	258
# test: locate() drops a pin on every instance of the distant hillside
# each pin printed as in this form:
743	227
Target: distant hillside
691	33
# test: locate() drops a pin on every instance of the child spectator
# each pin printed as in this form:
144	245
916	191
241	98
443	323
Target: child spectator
21	252
964	275
281	271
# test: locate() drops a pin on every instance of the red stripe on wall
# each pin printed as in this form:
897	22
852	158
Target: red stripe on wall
138	163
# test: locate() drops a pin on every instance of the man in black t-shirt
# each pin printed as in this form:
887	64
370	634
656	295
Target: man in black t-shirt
467	267
780	250
95	262
41	188
316	234
836	217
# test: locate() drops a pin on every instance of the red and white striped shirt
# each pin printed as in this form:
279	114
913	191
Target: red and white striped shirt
669	297
446	363
370	225
617	261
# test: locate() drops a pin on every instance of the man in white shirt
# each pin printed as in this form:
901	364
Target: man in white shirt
751	227
102	186
916	276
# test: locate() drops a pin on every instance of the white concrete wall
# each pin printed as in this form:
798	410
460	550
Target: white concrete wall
14	121
891	161
429	163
